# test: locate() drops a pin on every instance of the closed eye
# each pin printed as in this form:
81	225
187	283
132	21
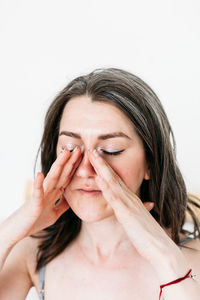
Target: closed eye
101	150
112	153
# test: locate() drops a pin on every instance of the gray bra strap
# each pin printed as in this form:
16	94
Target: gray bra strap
41	278
186	240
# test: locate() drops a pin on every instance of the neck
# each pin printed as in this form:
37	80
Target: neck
104	240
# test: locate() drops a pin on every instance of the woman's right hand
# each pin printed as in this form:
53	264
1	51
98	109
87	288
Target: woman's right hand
40	211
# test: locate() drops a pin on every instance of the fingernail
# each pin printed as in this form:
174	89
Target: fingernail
75	149
151	205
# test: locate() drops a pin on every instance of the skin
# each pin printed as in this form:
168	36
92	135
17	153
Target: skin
120	248
117	228
96	213
130	165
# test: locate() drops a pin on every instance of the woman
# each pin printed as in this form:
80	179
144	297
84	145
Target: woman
109	207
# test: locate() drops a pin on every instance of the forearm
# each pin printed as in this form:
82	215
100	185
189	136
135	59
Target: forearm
5	245
171	267
10	233
4	251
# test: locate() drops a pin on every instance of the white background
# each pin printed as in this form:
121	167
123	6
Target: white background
45	43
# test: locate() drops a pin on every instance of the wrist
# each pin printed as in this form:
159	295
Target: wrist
170	265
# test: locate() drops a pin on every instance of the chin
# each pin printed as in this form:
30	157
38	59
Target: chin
91	213
89	209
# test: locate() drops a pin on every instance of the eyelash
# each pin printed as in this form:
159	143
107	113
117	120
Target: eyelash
112	153
104	151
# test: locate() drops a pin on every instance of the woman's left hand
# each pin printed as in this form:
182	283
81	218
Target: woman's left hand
147	236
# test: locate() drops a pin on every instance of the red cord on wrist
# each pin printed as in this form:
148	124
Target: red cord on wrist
175	281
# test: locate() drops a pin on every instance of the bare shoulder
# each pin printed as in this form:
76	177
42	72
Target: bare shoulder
25	252
30	248
30	245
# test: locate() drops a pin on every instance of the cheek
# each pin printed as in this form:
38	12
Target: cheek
131	171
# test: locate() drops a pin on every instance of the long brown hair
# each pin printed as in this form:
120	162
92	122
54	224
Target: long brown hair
166	187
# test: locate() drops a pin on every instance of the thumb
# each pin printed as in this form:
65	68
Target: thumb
149	205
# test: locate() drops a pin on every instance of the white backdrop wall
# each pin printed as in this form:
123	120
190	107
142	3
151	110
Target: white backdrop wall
44	44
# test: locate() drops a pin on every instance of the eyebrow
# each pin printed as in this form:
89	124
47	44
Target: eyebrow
100	137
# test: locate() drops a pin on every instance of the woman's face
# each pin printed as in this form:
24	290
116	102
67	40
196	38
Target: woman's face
93	125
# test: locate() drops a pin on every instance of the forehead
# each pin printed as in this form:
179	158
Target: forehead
84	115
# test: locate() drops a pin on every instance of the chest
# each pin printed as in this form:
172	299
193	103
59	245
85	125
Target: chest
82	282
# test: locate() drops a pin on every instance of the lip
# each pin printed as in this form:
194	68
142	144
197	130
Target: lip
87	187
89	192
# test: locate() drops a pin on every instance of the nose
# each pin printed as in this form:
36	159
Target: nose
85	168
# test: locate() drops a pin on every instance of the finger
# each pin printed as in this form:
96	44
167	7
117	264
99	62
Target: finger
120	207
149	205
61	205
109	194
69	168
29	190
76	167
111	184
38	192
54	173
104	170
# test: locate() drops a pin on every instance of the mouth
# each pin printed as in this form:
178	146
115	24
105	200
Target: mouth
89	192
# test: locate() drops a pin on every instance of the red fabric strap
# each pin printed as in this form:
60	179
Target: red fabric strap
175	281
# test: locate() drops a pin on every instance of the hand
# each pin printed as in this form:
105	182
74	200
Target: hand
47	192
40	211
144	232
